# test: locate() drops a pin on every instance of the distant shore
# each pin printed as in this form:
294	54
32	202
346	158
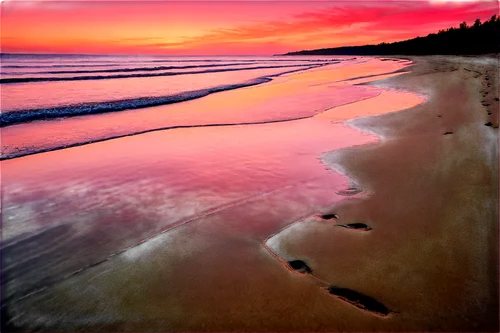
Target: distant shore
478	39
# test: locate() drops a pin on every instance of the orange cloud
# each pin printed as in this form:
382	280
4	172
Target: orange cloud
261	27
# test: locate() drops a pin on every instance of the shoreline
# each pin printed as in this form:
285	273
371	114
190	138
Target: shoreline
431	195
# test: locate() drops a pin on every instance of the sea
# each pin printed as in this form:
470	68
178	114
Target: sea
108	160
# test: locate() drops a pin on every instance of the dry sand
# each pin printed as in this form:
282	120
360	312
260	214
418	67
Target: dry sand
428	261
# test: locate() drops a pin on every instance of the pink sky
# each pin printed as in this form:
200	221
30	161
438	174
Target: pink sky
223	27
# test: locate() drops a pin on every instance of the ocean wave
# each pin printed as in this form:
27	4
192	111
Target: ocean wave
109	63
59	66
134	69
15	117
123	76
17	152
23	116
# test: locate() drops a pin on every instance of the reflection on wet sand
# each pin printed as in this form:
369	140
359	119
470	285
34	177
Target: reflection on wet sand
165	230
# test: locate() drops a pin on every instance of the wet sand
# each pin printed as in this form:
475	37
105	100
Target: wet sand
409	244
423	239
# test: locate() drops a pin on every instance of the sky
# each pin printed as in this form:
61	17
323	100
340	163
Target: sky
222	27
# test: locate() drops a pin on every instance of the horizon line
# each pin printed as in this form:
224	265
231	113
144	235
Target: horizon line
138	54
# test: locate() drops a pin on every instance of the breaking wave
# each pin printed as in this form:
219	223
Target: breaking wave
122	76
23	116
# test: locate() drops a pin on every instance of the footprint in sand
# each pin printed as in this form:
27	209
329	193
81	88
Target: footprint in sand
355	226
352	297
328	216
353	190
359	300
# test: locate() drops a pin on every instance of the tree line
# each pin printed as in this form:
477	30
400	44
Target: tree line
479	38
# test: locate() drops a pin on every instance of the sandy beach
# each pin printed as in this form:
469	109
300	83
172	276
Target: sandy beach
382	214
432	204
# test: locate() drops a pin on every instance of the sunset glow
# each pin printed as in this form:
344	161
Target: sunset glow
203	28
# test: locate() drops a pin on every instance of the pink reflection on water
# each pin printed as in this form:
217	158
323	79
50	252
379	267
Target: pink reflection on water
113	194
284	98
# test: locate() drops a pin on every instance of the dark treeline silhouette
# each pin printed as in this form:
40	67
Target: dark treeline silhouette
480	38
